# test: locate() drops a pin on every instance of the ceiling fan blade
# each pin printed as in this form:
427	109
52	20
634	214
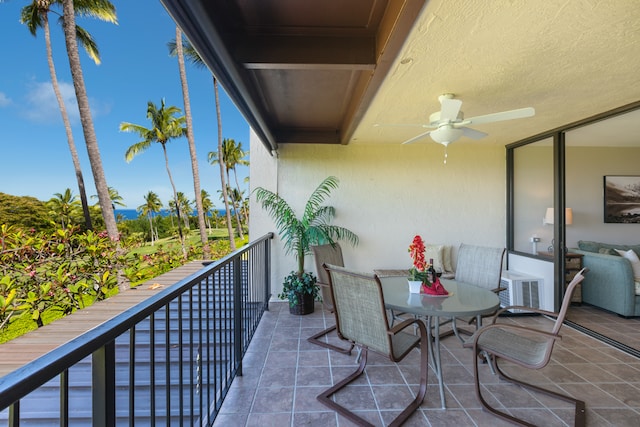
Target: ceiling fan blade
450	109
505	115
404	125
415	138
473	134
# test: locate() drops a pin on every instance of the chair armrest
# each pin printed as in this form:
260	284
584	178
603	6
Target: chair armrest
473	340
404	324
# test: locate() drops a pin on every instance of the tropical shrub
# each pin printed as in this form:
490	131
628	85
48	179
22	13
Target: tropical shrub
62	270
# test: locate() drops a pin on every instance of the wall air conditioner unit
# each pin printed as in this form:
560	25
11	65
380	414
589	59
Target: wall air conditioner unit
521	289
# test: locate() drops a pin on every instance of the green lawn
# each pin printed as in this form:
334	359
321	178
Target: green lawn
193	239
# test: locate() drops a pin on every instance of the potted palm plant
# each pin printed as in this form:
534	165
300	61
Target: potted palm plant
299	234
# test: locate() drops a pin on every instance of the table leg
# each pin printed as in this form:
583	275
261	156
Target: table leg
434	352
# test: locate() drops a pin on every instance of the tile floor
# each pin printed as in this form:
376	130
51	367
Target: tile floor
283	374
611	325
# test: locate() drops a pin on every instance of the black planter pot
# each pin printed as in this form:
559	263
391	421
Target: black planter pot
305	304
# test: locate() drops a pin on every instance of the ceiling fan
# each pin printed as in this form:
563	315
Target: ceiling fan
450	125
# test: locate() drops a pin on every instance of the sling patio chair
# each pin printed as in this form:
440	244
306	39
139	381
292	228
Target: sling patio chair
330	254
526	347
361	318
395	315
480	266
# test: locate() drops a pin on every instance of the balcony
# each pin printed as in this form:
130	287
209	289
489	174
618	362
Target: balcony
221	354
283	374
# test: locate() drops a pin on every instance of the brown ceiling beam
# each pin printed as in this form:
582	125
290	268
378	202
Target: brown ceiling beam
395	27
306	52
284	136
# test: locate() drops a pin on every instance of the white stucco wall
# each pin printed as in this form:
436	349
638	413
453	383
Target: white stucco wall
387	194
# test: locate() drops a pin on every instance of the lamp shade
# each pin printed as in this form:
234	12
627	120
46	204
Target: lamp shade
568	216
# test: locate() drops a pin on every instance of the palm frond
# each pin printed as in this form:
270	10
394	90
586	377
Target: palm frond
319	195
88	43
30	17
103	10
136	149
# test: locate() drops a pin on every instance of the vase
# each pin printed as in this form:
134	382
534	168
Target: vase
414	286
305	305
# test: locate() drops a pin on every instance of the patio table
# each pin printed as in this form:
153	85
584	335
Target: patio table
464	300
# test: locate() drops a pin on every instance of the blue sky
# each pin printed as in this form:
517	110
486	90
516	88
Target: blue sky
136	68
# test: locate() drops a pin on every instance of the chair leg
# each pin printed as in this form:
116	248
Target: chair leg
325	397
315	339
579	420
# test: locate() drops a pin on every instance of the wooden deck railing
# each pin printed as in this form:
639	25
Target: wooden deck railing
163	354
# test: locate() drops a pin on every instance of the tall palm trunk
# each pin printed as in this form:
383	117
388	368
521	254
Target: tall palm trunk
225	194
175	199
192	147
151	228
239	211
67	125
235	209
90	138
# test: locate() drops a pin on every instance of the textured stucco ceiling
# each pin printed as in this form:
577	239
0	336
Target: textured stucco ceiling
568	59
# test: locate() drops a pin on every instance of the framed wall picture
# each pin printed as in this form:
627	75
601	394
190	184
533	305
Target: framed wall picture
622	199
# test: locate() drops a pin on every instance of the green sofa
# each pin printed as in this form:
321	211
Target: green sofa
610	283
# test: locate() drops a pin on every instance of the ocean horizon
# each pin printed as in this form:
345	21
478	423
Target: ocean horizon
129	214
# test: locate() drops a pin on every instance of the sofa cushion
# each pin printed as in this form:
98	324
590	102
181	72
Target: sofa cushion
591	246
634	260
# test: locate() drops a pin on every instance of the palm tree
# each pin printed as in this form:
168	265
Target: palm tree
196	60
152	204
63	206
101	8
207	206
35	16
312	228
236	196
116	198
165	126
192	145
184	205
232	155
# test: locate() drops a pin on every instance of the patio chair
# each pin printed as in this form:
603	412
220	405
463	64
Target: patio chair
361	318
480	266
395	315
526	347
330	254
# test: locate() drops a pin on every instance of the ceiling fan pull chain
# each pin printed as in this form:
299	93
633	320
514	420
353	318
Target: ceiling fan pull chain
445	155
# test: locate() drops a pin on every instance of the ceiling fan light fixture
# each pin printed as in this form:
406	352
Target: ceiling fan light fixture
446	134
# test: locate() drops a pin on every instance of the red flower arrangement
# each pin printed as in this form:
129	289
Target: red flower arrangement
419	270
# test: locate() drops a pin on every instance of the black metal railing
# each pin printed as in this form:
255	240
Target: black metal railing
167	361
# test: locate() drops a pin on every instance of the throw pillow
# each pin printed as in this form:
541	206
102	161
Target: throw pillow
586	245
446	261
608	251
634	260
435	252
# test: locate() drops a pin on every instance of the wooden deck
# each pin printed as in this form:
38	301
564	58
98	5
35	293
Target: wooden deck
29	347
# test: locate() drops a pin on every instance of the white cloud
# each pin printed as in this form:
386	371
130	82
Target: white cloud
42	106
4	100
